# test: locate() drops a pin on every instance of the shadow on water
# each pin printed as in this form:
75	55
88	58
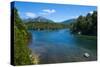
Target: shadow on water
61	46
87	42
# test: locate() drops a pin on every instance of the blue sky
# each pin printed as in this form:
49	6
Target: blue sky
55	12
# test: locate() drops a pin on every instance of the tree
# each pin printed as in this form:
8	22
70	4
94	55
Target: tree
87	25
21	38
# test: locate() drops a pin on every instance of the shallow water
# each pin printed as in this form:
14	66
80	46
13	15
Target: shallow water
61	46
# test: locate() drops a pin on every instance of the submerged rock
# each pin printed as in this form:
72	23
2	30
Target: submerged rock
79	33
86	55
34	58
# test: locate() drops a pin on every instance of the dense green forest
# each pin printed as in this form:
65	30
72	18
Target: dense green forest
45	26
21	39
85	25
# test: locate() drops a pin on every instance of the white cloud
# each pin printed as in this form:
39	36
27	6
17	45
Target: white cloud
43	13
47	11
30	14
91	12
76	16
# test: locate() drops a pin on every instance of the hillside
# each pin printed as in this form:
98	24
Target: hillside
38	19
42	23
86	25
69	21
21	40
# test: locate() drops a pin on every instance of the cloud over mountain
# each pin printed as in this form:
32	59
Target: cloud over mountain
30	14
47	11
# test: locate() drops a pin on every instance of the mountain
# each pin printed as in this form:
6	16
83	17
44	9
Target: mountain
69	21
38	19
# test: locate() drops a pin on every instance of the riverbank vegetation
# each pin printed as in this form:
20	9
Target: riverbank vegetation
21	39
85	25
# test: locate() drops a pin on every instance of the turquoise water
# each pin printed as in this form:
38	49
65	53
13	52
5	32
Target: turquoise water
59	46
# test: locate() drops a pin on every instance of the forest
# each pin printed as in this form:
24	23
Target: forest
45	26
85	25
21	40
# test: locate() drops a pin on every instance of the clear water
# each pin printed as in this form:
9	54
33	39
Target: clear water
61	46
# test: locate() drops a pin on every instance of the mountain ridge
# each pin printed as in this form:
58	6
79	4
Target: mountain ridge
38	19
43	19
69	21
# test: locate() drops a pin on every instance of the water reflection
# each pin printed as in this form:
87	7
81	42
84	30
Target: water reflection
61	46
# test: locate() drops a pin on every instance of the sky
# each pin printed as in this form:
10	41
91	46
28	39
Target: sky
55	12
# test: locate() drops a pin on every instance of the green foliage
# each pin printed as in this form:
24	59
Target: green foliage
86	25
45	26
21	38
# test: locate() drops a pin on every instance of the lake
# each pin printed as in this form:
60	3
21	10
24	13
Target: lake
60	46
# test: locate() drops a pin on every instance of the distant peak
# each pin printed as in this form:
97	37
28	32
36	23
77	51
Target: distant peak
39	19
